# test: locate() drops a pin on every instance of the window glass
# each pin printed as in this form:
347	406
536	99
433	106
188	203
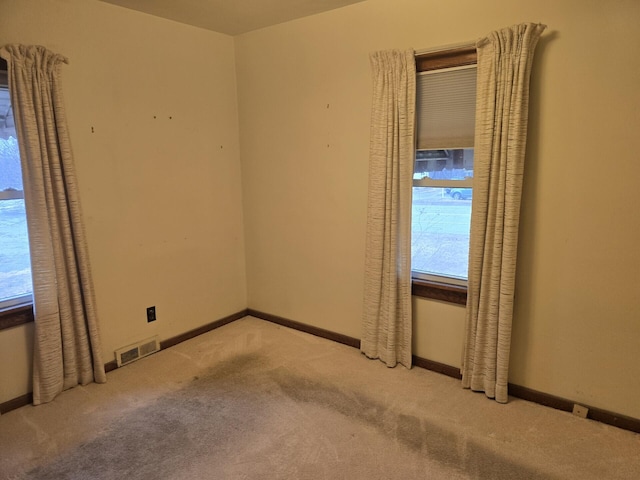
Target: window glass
441	215
15	264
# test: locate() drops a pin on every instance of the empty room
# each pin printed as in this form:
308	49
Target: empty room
454	181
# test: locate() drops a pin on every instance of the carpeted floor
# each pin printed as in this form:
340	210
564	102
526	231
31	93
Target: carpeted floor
253	400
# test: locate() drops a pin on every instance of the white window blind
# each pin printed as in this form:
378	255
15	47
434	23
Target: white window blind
446	108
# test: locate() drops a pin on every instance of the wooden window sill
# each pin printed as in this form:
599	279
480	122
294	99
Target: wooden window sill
439	291
17	315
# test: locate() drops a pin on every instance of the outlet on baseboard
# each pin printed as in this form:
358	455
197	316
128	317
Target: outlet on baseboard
151	314
580	410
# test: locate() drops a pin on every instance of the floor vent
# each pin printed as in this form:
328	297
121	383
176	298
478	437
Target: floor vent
131	353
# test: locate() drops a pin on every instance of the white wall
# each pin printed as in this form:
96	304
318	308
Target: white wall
304	95
161	197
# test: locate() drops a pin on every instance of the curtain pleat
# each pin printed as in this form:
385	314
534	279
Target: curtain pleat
67	347
504	66
387	323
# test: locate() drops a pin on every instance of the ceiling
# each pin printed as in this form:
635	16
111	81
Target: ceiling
232	17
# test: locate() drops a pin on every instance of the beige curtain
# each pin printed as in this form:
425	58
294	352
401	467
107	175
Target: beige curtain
504	66
67	349
387	326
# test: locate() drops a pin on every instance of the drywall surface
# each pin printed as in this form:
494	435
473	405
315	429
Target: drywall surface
438	330
304	96
152	113
15	362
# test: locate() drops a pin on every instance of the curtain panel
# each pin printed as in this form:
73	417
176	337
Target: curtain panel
504	67
67	347
387	321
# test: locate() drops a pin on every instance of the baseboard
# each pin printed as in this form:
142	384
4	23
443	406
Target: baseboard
437	367
351	341
597	414
524	393
170	342
27	398
109	366
17	402
545	399
318	332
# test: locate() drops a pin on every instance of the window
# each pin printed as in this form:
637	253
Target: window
443	172
15	264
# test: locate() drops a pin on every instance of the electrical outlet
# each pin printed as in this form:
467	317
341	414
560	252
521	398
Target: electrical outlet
151	314
580	410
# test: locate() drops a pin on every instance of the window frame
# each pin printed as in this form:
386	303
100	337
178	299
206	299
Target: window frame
16	315
421	285
18	311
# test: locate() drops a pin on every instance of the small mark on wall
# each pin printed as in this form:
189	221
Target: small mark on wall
328	125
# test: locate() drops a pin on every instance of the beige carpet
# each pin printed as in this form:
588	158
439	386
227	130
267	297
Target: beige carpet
253	400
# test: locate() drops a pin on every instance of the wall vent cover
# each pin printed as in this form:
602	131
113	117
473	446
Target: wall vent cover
133	352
